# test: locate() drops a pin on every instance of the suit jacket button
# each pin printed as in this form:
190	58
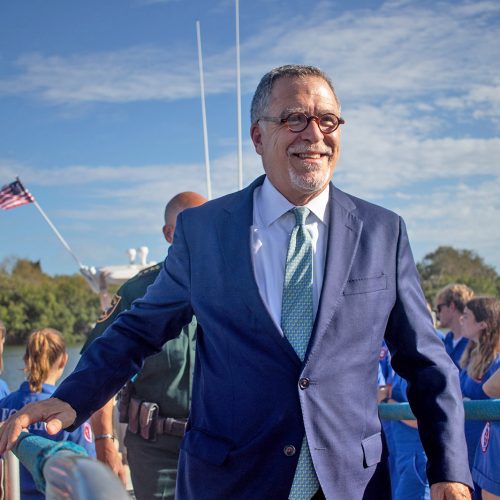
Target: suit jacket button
289	450
304	383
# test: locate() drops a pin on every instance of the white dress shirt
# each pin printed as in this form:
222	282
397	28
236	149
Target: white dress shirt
270	233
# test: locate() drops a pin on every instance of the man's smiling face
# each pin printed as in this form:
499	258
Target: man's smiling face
300	165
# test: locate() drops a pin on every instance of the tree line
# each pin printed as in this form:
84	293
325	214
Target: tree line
31	299
449	265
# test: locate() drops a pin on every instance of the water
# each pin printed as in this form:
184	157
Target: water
13	364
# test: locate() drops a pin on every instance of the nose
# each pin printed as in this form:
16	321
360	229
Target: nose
312	132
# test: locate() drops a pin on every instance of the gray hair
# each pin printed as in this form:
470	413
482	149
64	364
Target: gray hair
262	94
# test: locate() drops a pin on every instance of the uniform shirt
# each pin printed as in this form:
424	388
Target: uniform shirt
385	364
4	388
20	398
166	377
473	389
399	386
455	351
270	233
486	470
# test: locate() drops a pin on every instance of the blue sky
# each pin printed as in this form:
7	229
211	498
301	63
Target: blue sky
100	113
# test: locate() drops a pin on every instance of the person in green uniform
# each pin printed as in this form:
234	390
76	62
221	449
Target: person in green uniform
156	402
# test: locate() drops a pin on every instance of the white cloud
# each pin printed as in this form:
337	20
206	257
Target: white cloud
385	149
459	215
126	194
10	169
398	51
393	52
134	74
483	101
84	174
478	8
154	2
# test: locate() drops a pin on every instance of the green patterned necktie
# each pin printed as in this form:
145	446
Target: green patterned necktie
297	323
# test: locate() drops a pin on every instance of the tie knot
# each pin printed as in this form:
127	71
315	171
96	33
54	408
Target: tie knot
301	214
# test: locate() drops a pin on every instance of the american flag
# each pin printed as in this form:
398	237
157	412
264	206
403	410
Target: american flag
14	195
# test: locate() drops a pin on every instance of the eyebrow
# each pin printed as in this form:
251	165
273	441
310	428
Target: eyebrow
321	112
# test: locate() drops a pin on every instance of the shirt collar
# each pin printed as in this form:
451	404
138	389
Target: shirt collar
46	388
272	204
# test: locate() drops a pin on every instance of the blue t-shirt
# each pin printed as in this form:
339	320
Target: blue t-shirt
14	402
4	388
486	472
473	389
399	386
455	352
385	369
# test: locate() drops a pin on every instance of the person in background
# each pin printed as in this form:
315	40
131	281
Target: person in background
408	476
486	468
385	373
162	387
4	388
4	391
480	360
409	456
385	381
449	307
492	386
44	362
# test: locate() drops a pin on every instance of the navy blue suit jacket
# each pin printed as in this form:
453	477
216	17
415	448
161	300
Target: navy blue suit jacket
248	408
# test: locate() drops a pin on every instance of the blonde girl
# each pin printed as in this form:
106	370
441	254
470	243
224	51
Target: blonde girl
4	388
44	361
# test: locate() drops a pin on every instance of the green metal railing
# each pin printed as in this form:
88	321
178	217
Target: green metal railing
487	409
63	470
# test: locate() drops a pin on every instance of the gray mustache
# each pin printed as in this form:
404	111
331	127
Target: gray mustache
295	150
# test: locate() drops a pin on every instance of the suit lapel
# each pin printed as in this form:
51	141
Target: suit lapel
343	239
233	230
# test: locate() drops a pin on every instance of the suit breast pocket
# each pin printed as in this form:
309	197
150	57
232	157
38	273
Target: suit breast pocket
366	285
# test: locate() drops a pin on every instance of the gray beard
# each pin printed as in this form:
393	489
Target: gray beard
307	186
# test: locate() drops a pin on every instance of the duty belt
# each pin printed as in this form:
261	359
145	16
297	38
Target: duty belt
171	426
144	420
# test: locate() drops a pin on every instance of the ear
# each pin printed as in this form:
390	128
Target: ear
256	135
168	232
63	360
483	325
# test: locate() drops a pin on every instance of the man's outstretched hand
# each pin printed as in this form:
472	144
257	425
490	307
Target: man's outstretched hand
55	413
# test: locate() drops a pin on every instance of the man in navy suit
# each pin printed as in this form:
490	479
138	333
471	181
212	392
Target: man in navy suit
254	399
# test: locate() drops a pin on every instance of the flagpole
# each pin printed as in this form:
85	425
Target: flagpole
238	98
203	112
57	233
